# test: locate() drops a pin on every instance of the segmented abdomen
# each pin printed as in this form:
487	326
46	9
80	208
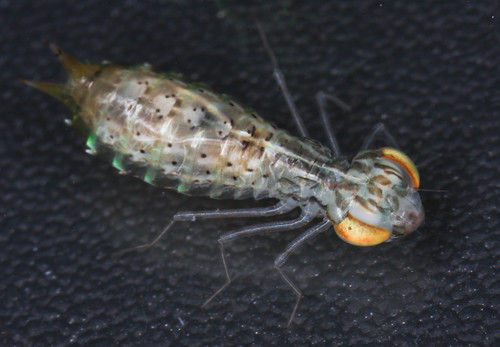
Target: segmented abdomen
176	135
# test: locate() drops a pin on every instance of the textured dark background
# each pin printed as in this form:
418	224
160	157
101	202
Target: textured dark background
429	70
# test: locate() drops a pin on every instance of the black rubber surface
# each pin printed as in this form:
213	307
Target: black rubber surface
429	70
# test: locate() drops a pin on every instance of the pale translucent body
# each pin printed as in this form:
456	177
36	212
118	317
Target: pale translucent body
185	137
173	134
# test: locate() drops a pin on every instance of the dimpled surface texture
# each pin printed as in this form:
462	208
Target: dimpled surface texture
429	71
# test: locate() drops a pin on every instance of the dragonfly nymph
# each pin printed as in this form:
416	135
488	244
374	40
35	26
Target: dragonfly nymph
182	136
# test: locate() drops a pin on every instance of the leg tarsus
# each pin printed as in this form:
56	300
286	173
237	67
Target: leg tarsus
380	128
149	244
297	292
283	257
228	278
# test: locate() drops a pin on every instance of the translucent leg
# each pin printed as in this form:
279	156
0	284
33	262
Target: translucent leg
380	129
283	257
308	214
190	216
321	99
280	79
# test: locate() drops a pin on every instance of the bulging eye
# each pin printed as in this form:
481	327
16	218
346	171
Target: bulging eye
356	232
402	160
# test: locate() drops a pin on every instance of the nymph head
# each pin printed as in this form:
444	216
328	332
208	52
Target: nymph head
378	199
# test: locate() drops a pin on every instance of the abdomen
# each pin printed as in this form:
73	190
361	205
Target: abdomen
181	136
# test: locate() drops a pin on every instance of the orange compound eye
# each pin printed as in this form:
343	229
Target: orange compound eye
358	233
405	162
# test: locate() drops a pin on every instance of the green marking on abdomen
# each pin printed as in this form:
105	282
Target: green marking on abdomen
149	177
91	140
117	163
182	187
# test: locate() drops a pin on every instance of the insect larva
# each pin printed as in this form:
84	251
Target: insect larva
177	135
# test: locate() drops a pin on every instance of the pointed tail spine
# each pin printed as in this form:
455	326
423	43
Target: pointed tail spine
58	90
77	71
73	66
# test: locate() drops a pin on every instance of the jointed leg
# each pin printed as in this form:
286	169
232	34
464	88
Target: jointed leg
191	216
321	99
380	129
280	79
282	258
307	216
